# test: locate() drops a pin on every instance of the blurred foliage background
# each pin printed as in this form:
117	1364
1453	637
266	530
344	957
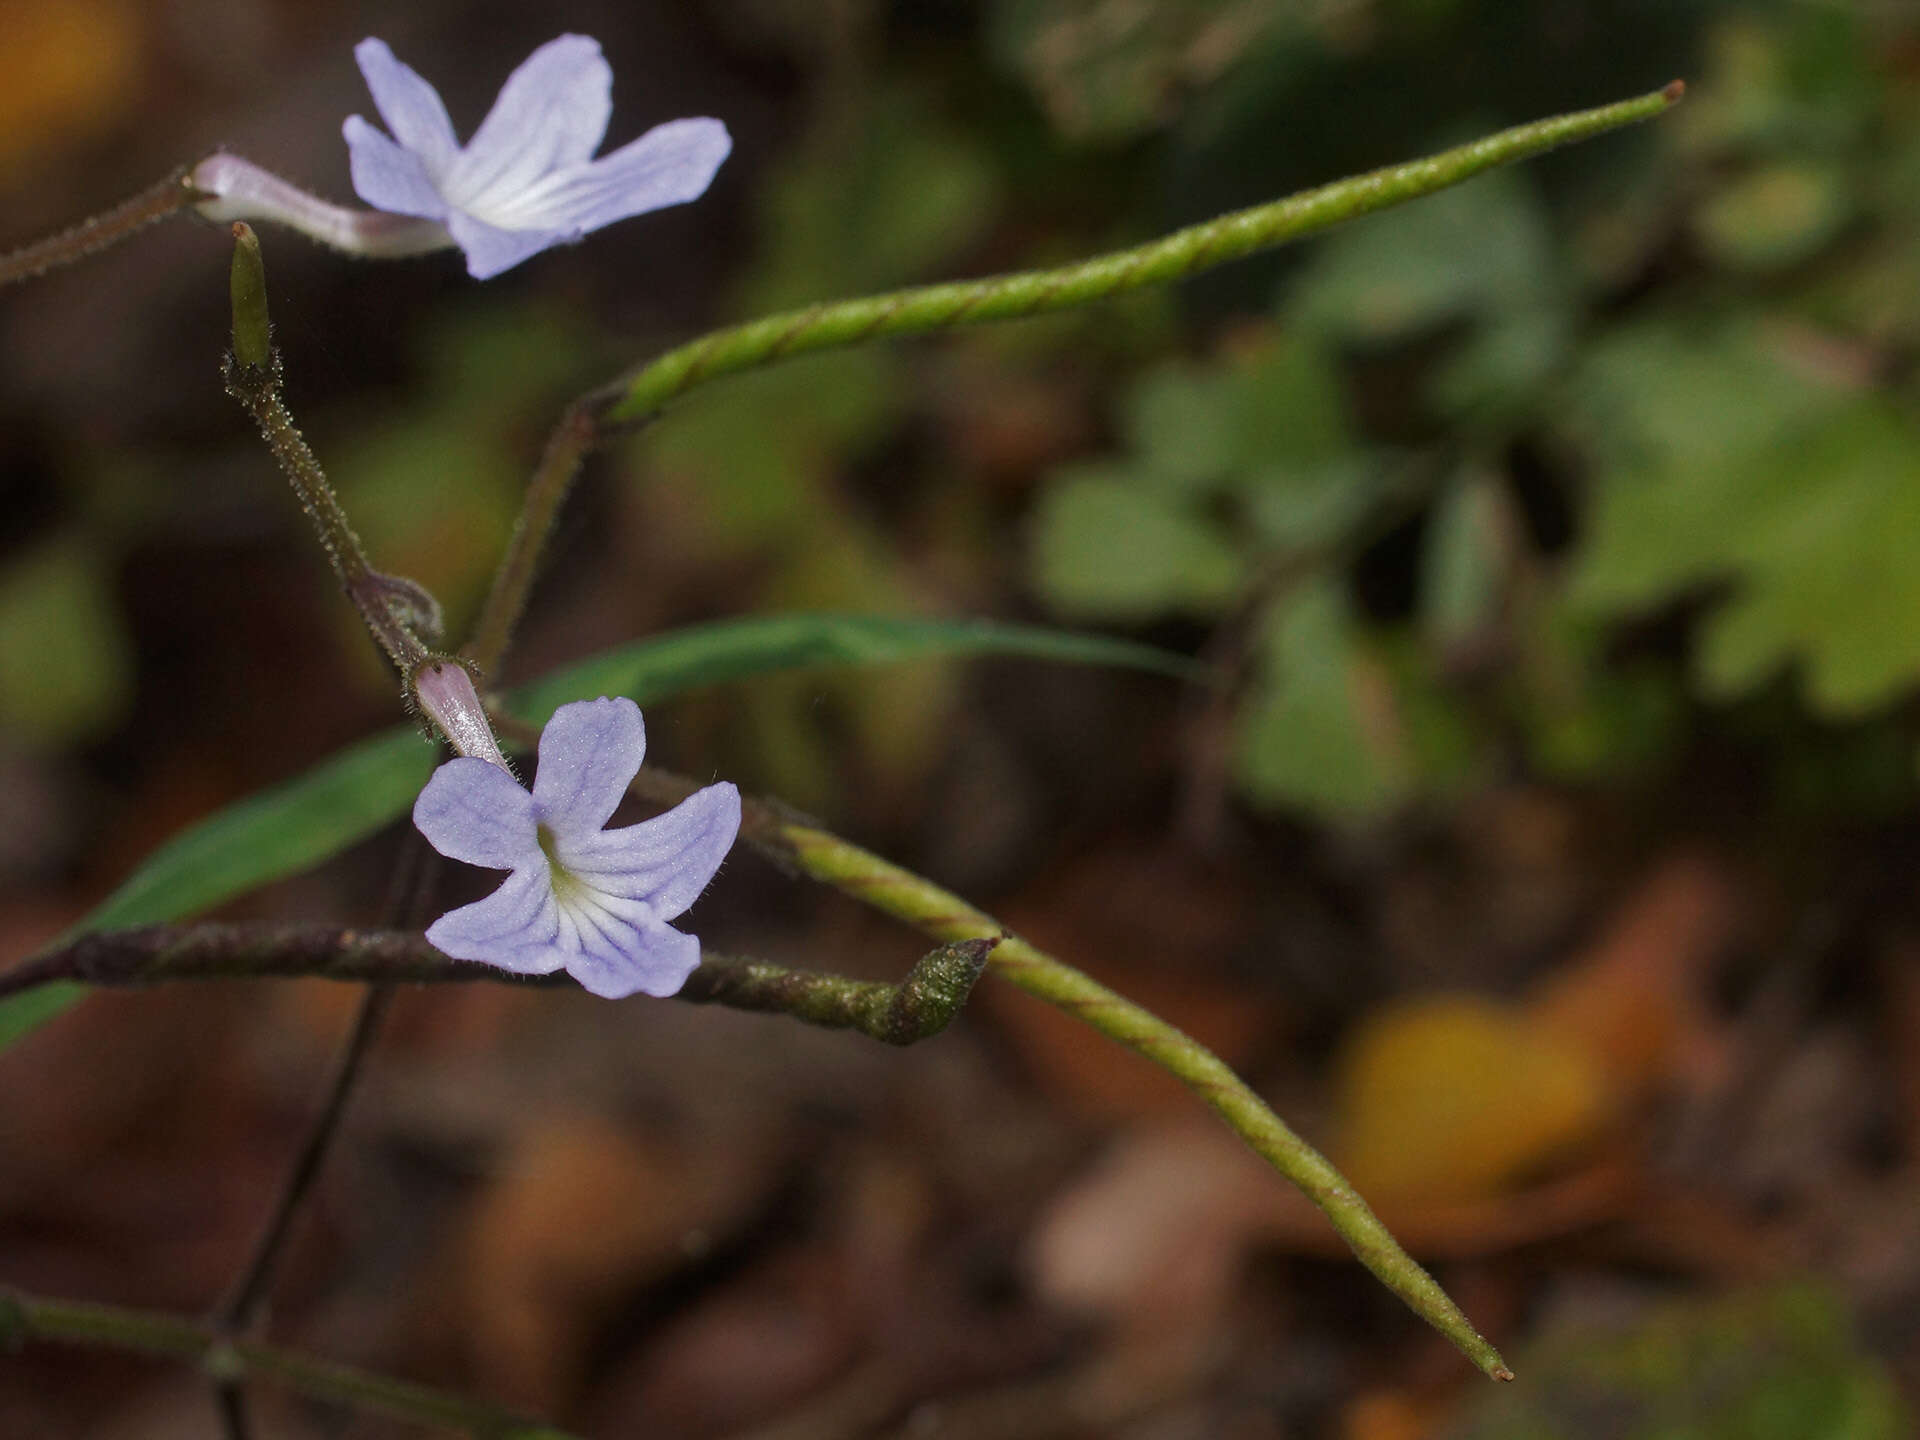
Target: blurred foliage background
1556	535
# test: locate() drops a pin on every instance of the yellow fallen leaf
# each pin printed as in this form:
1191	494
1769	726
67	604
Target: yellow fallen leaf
1453	1097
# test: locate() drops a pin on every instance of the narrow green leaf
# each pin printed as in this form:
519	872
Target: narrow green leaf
278	832
296	825
260	839
699	655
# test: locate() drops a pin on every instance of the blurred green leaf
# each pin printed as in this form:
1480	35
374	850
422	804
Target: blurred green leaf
1722	461
750	456
1183	425
1494	379
1826	552
347	798
433	490
1260	438
871	200
1463	566
1289	405
1106	546
1473	251
1301	508
1774	217
1795	81
65	671
1107	70
1763	1366
1321	730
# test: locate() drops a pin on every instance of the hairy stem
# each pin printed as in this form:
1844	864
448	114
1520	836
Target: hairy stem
257	387
25	1318
389	606
920	1005
103	231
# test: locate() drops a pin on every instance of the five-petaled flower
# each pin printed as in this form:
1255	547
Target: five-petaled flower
527	180
583	898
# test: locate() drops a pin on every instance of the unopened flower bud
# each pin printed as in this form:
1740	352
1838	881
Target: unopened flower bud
445	691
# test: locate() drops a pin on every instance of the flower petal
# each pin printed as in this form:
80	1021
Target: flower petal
552	113
490	250
476	812
410	106
516	928
666	861
387	176
589	754
669	165
617	957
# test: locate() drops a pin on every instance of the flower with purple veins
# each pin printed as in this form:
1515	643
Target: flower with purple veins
527	180
580	897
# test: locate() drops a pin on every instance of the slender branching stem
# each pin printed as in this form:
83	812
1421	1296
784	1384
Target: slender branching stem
103	231
257	387
391	607
242	1304
28	1318
547	491
936	912
230	1400
804	847
919	1006
1172	257
409	895
634	398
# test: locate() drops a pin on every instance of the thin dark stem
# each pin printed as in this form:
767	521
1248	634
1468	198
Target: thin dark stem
107	229
411	892
25	1318
231	1401
567	449
243	1302
920	1005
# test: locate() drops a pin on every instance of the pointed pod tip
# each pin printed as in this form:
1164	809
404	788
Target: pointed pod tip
252	344
1673	94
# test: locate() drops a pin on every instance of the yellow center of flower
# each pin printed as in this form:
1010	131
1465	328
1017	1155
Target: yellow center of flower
567	887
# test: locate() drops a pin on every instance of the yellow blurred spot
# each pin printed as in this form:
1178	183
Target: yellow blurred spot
67	71
1454	1097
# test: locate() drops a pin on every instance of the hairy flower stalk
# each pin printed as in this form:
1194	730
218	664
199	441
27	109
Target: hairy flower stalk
102	232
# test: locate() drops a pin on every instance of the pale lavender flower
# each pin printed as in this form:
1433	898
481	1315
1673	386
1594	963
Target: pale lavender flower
592	901
527	179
